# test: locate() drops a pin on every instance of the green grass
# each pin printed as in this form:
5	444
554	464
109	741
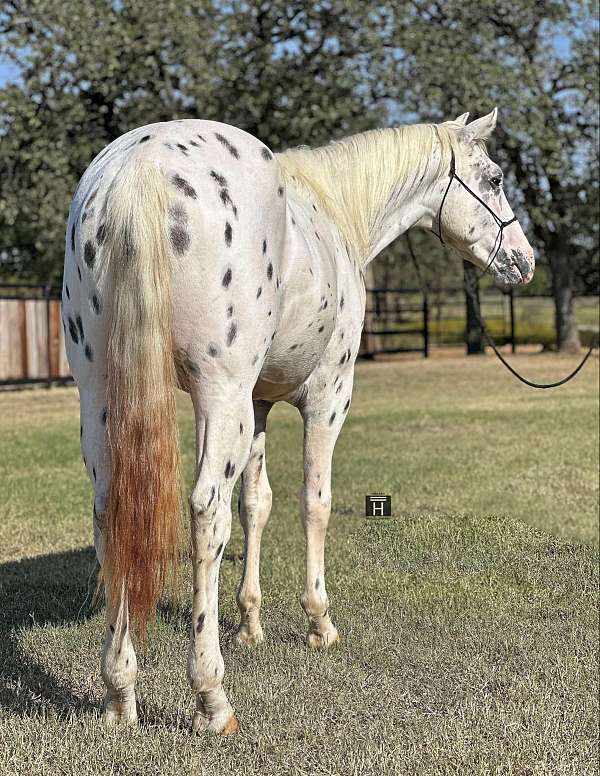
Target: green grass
468	621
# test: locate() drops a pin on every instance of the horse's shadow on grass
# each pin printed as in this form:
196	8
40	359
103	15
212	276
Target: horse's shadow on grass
45	590
57	590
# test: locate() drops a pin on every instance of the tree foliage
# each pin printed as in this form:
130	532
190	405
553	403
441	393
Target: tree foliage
294	72
539	63
290	73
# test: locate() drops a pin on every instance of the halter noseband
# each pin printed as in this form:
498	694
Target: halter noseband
502	224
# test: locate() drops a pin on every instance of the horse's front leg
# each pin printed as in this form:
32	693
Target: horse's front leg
321	428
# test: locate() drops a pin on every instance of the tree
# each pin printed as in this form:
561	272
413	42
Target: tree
289	72
538	62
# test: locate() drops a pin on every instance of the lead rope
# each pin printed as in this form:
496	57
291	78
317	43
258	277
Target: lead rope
469	289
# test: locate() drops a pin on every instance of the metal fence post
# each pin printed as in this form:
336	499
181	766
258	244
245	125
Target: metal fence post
425	326
513	340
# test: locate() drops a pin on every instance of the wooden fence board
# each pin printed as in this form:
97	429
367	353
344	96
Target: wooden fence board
37	338
26	350
11	334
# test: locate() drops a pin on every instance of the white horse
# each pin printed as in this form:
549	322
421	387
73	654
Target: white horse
197	258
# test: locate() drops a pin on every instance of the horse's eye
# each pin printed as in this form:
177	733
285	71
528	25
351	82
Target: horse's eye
496	181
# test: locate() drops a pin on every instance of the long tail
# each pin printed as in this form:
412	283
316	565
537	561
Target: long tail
143	513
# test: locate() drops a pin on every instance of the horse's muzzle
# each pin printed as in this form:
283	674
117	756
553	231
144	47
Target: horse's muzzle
525	264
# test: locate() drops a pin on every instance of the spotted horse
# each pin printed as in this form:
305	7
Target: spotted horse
197	258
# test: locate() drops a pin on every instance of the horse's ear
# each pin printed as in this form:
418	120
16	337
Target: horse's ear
462	119
480	129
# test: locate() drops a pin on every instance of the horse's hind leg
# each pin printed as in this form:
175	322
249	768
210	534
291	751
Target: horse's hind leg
255	508
118	663
224	428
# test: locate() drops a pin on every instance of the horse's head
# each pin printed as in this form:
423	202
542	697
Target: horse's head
473	213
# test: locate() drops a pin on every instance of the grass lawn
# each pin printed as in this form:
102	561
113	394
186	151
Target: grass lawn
469	620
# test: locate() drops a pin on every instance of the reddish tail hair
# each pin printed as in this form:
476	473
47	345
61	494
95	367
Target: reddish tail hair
143	513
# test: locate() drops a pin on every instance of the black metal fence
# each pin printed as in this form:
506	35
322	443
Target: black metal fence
401	320
397	320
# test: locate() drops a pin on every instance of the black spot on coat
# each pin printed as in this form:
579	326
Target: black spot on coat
180	239
178	213
89	354
231	334
266	154
226	278
218	178
229	146
183	186
89	253
228	234
73	330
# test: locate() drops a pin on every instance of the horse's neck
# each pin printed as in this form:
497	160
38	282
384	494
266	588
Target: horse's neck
414	210
415	207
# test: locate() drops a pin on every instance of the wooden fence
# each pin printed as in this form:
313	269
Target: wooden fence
32	347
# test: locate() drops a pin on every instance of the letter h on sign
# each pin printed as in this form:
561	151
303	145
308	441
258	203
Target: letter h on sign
378	506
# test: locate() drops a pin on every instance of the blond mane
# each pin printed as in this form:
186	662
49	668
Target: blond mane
353	179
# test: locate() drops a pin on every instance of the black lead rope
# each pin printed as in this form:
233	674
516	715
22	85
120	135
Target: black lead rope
483	327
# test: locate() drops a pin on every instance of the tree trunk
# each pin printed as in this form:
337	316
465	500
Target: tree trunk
567	334
473	333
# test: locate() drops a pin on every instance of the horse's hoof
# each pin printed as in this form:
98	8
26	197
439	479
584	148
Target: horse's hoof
202	723
119	713
249	638
322	640
231	728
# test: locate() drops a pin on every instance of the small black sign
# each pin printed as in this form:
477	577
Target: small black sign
378	505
